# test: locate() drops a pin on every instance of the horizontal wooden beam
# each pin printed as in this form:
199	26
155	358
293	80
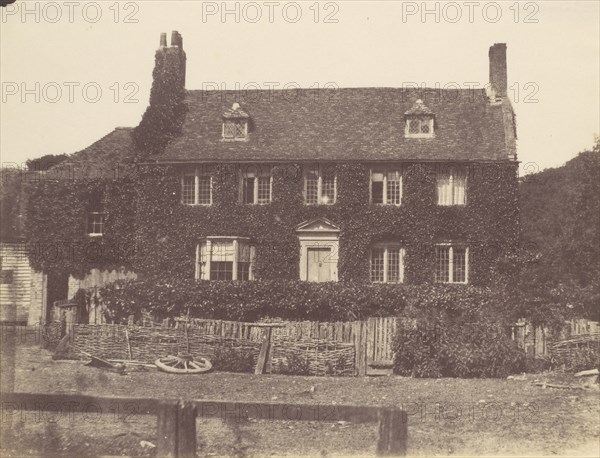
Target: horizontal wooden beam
205	408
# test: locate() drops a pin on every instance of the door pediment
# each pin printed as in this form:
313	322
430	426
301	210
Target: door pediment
319	225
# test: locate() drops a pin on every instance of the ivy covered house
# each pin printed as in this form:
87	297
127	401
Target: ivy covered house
360	185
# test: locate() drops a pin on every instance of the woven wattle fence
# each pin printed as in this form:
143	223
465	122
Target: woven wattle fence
146	344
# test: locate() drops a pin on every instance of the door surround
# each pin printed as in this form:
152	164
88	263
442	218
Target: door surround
318	233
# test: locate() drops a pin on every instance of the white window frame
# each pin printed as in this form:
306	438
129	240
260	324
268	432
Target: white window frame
256	175
386	261
234	138
203	272
385	171
319	186
451	263
196	174
422	120
91	224
452	176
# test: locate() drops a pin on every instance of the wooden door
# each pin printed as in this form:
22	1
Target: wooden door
319	264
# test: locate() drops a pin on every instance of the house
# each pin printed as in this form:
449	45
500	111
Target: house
381	185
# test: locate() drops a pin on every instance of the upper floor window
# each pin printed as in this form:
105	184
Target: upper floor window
225	258
451	263
451	187
387	263
96	216
257	186
235	123
319	185
419	121
386	187
196	188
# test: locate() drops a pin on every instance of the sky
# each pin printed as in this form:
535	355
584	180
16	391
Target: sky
73	71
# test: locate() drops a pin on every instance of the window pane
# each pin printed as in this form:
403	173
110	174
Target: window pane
442	270
222	251
394	188
377	264
204	191
264	190
424	127
394	260
328	190
221	270
414	126
188	190
95	223
312	186
459	186
240	129
229	129
459	271
444	189
243	271
248	190
377	192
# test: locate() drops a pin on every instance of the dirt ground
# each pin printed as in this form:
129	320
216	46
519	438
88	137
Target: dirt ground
446	416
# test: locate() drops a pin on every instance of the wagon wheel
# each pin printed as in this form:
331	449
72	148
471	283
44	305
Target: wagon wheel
183	364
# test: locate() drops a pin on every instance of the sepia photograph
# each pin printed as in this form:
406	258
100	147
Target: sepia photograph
299	228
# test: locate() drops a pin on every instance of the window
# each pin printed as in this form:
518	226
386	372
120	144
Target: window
387	263
96	216
95	223
386	187
451	187
419	121
196	188
319	185
235	129
451	264
256	187
225	258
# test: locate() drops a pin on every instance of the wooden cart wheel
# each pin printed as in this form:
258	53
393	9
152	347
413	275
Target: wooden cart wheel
183	364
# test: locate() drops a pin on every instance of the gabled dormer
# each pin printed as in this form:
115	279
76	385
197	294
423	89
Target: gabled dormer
235	124
419	121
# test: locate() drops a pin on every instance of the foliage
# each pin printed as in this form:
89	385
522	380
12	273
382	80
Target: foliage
468	338
12	205
581	359
560	209
295	365
233	359
41	164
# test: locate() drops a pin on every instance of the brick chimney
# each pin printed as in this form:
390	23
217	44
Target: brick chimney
170	60
498	73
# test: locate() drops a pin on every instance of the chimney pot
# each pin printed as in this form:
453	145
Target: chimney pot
176	39
498	72
163	40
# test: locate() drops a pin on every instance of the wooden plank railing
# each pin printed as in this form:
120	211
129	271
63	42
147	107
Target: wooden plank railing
176	419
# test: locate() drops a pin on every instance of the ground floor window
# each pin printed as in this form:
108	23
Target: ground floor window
451	263
387	263
225	258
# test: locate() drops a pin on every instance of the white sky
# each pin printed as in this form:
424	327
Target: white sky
554	61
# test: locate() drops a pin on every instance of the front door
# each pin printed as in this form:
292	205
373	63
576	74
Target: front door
319	264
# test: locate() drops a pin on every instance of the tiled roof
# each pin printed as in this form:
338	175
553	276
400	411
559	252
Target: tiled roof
343	124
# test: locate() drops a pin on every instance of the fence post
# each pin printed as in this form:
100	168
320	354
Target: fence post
186	434
166	427
393	430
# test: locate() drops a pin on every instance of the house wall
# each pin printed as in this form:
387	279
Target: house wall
168	231
16	296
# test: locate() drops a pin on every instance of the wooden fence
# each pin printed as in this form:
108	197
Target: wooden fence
176	419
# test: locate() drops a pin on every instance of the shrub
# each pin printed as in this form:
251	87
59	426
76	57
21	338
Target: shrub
234	359
295	365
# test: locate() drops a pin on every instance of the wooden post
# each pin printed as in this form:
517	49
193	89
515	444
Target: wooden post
264	351
393	430
166	429
186	434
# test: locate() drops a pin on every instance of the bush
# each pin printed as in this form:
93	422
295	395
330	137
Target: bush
580	359
234	359
295	365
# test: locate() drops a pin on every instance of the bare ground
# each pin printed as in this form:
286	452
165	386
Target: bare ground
446	416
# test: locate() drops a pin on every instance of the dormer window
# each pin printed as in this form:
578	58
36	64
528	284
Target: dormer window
235	123
419	121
